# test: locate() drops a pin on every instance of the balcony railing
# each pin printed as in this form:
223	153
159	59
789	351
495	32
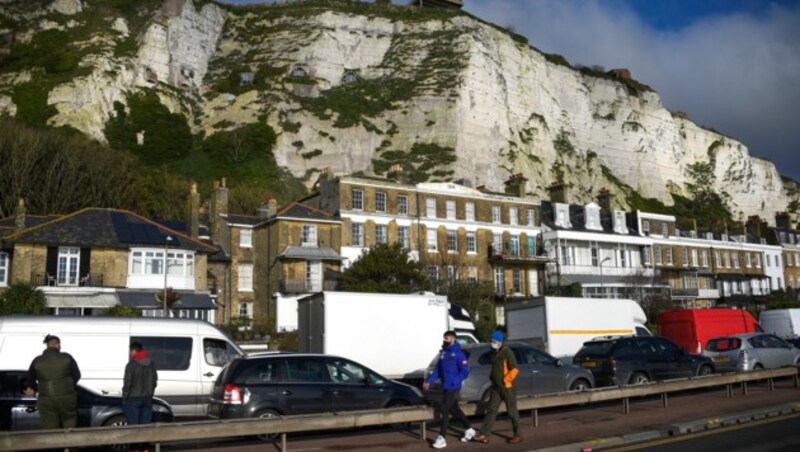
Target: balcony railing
510	254
303	286
87	280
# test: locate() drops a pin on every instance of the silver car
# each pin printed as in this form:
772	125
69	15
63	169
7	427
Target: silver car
751	351
539	373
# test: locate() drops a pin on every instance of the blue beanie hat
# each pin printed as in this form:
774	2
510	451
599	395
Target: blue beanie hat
497	336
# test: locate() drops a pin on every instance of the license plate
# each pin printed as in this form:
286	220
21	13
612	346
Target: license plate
721	359
589	364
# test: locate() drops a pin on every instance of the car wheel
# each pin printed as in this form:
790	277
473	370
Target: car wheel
580	385
758	366
704	371
116	421
267	414
639	378
399	404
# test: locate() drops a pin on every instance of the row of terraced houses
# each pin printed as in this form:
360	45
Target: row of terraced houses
221	267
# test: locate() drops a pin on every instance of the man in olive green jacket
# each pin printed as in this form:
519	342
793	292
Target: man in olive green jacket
54	375
504	389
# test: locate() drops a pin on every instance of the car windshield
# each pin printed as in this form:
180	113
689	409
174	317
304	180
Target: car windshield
722	344
595	349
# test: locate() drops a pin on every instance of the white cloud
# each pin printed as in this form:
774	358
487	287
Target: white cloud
737	73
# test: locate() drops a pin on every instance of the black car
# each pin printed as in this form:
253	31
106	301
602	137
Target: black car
639	359
18	411
292	383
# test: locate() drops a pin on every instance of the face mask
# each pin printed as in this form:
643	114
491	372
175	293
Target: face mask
495	346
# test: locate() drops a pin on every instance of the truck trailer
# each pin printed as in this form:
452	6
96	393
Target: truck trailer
395	335
560	325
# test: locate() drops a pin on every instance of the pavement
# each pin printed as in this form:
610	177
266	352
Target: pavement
573	429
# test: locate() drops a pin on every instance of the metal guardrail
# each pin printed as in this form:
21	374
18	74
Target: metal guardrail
163	433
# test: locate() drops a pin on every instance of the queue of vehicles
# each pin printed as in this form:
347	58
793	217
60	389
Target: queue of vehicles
354	346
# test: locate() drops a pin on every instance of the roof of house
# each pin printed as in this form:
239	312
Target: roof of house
112	228
577	218
9	225
243	219
304	212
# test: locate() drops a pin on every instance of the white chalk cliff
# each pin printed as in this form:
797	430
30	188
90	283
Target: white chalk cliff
447	79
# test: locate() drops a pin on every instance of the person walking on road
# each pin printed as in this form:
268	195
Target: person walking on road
504	388
138	386
54	375
452	369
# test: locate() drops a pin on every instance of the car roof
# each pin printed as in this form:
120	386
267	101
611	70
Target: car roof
739	336
284	353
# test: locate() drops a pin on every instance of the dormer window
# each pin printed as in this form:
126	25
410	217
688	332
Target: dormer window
665	229
562	216
592	214
619	222
646	227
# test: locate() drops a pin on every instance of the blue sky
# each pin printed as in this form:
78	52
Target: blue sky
733	65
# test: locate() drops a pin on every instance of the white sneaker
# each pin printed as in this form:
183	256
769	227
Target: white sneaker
440	442
468	435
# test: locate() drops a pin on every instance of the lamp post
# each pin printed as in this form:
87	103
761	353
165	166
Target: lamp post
166	272
602	288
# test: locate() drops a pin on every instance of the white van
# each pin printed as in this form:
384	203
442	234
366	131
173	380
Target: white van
783	323
189	354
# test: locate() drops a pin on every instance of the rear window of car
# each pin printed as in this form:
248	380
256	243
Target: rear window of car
722	344
596	348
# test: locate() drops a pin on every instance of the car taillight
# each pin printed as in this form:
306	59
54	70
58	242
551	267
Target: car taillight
233	395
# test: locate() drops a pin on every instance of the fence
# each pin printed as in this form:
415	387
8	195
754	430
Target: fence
216	429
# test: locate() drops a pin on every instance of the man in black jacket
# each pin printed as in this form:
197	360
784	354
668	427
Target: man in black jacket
138	386
54	374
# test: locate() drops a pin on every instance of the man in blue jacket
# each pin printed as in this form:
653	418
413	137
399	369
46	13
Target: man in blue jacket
452	369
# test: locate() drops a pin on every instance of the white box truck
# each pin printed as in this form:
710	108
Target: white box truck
783	323
395	335
560	325
189	354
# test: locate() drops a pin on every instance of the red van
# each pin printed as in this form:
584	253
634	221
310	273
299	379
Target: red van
692	328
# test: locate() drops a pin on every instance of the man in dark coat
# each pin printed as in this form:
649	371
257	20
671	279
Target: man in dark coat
138	386
503	376
54	375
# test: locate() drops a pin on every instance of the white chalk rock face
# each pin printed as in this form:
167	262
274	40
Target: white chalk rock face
67	7
503	106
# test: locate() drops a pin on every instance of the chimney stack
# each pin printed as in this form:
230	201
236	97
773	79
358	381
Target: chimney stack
782	220
269	209
396	173
218	207
605	199
516	184
20	215
194	211
559	192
